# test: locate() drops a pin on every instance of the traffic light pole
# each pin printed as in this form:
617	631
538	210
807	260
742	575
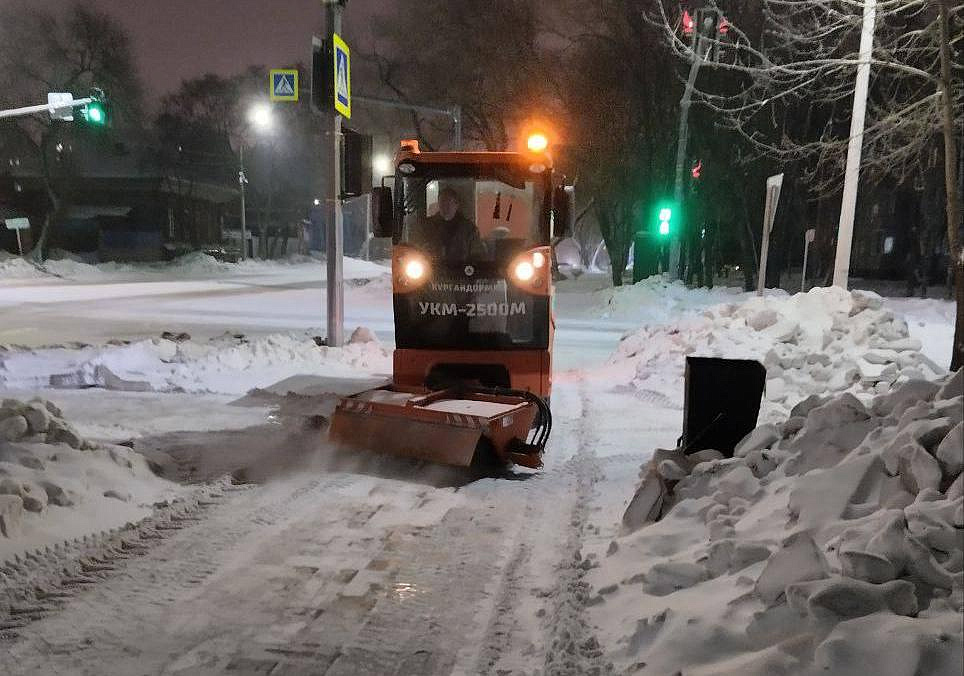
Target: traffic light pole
848	203
682	141
334	227
44	108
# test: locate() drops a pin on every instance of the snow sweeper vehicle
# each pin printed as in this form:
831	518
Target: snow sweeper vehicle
472	291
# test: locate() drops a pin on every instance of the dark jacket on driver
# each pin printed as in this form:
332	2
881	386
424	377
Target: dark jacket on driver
455	241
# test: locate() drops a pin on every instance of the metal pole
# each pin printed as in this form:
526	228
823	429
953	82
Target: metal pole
19	242
242	179
848	204
682	140
334	232
44	108
806	250
457	121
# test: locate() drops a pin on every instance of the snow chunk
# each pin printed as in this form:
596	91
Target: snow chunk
11	515
797	560
950	452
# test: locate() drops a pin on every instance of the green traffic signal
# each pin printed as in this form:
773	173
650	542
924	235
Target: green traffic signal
665	216
95	113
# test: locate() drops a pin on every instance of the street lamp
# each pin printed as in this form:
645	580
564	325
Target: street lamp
260	119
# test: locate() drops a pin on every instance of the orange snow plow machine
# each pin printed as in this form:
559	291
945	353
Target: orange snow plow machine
472	298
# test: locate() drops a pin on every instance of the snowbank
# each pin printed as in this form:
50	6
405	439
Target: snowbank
195	265
832	546
655	299
825	341
229	364
55	485
15	267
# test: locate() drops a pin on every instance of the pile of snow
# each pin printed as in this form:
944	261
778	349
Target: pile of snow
656	299
196	265
659	295
229	364
825	341
55	485
833	543
15	267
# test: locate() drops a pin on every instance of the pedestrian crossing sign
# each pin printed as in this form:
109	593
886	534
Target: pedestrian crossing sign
342	74
284	84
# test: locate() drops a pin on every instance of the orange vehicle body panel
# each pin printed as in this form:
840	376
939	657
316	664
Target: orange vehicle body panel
528	369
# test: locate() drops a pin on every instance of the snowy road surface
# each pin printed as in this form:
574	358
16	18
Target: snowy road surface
318	568
266	300
332	572
348	573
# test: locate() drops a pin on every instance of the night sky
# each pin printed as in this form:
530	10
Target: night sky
178	39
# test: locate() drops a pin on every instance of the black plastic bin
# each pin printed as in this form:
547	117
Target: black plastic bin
722	402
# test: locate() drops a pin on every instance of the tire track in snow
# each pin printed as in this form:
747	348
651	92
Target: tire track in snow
95	630
573	649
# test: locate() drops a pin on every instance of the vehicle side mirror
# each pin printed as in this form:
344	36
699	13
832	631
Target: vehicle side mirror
383	212
564	211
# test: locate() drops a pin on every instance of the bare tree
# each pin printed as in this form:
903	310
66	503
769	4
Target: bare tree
41	52
619	91
201	127
790	86
484	57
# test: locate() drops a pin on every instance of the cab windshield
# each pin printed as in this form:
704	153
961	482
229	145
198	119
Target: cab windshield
471	220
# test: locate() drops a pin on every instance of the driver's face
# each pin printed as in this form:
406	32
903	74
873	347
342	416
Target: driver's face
448	206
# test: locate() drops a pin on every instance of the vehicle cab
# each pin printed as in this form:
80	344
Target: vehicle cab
472	266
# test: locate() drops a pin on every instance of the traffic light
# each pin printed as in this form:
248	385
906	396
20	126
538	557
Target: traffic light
96	112
665	217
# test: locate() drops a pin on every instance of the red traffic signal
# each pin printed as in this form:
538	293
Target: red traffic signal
688	23
697	169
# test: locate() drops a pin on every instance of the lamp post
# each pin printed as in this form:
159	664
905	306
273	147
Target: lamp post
259	119
243	180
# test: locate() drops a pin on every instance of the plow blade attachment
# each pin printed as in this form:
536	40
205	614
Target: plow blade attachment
444	427
405	438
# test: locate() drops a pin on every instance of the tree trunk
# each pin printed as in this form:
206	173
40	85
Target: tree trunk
39	253
950	183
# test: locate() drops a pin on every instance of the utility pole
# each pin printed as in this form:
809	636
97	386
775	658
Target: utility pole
701	46
848	204
242	180
334	226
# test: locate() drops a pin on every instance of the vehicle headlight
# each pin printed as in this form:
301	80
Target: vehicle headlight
524	271
415	269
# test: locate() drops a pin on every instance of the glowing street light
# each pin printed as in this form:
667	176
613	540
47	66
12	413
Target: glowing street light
260	117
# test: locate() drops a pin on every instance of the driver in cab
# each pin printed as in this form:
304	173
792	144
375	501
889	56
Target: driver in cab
449	235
